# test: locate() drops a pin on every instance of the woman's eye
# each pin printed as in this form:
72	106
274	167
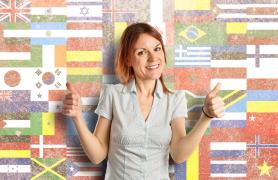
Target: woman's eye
157	49
140	53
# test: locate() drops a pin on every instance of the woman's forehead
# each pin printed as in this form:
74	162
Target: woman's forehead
146	40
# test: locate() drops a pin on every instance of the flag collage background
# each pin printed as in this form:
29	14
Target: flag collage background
44	44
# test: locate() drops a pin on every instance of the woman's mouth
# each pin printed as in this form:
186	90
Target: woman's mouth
153	67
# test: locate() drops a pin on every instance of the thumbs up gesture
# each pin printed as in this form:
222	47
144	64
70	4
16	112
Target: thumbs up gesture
72	102
214	105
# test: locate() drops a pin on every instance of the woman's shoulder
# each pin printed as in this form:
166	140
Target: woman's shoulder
113	88
176	93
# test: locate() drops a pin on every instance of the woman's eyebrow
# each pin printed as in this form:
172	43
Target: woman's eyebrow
145	48
158	44
139	49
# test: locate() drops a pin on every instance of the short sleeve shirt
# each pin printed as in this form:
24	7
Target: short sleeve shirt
139	149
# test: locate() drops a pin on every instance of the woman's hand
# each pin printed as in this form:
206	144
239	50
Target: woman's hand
214	105
72	102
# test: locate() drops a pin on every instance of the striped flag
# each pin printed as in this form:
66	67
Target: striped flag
84	11
229	56
228	169
192	56
228	149
48	28
230	120
15	168
247	12
84	170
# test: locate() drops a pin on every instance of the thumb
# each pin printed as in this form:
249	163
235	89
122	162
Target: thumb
215	90
71	88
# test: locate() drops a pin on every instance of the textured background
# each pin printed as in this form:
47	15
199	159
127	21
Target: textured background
44	44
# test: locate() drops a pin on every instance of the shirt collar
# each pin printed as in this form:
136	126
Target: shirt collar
131	88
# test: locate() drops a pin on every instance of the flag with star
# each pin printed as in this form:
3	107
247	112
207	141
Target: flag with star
262	157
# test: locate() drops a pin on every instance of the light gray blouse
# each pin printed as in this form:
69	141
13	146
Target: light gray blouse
139	149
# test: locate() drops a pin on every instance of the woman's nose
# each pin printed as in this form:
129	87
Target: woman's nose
151	56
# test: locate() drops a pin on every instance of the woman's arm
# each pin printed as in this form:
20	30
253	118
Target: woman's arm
94	144
183	145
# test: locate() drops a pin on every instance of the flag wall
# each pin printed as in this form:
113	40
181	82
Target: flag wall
44	44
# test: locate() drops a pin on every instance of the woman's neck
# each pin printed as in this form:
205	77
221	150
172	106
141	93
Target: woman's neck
145	87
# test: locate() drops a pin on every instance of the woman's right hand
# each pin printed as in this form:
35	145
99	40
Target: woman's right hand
72	102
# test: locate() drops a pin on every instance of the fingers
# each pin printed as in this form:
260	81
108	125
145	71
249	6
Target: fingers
216	110
215	90
214	106
71	88
72	102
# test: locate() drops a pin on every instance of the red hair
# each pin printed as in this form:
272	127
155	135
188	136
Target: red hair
123	69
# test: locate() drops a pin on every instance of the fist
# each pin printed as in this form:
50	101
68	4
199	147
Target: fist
214	105
72	102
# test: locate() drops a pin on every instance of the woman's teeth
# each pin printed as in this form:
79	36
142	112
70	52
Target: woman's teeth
152	67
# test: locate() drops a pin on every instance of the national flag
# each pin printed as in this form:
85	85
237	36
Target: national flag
240	12
49	168
196	80
200	34
263	124
84	11
48	28
193	101
127	12
15	11
230	120
47	143
191	56
30	126
262	56
227	149
48	11
84	170
263	159
262	84
229	52
15	168
46	79
229	56
42	149
228	169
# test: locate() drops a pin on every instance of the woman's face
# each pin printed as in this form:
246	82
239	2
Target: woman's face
148	58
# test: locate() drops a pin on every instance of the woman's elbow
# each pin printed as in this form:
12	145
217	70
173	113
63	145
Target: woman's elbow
179	160
96	160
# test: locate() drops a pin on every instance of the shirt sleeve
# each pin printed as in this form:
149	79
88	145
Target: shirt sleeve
180	105
104	107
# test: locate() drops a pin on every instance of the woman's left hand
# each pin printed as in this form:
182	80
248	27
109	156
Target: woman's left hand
214	105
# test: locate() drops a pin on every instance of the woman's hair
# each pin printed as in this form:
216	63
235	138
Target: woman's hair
124	70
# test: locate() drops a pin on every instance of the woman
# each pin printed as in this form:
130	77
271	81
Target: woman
140	121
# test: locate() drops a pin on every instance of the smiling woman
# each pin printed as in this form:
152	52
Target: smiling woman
140	121
140	45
